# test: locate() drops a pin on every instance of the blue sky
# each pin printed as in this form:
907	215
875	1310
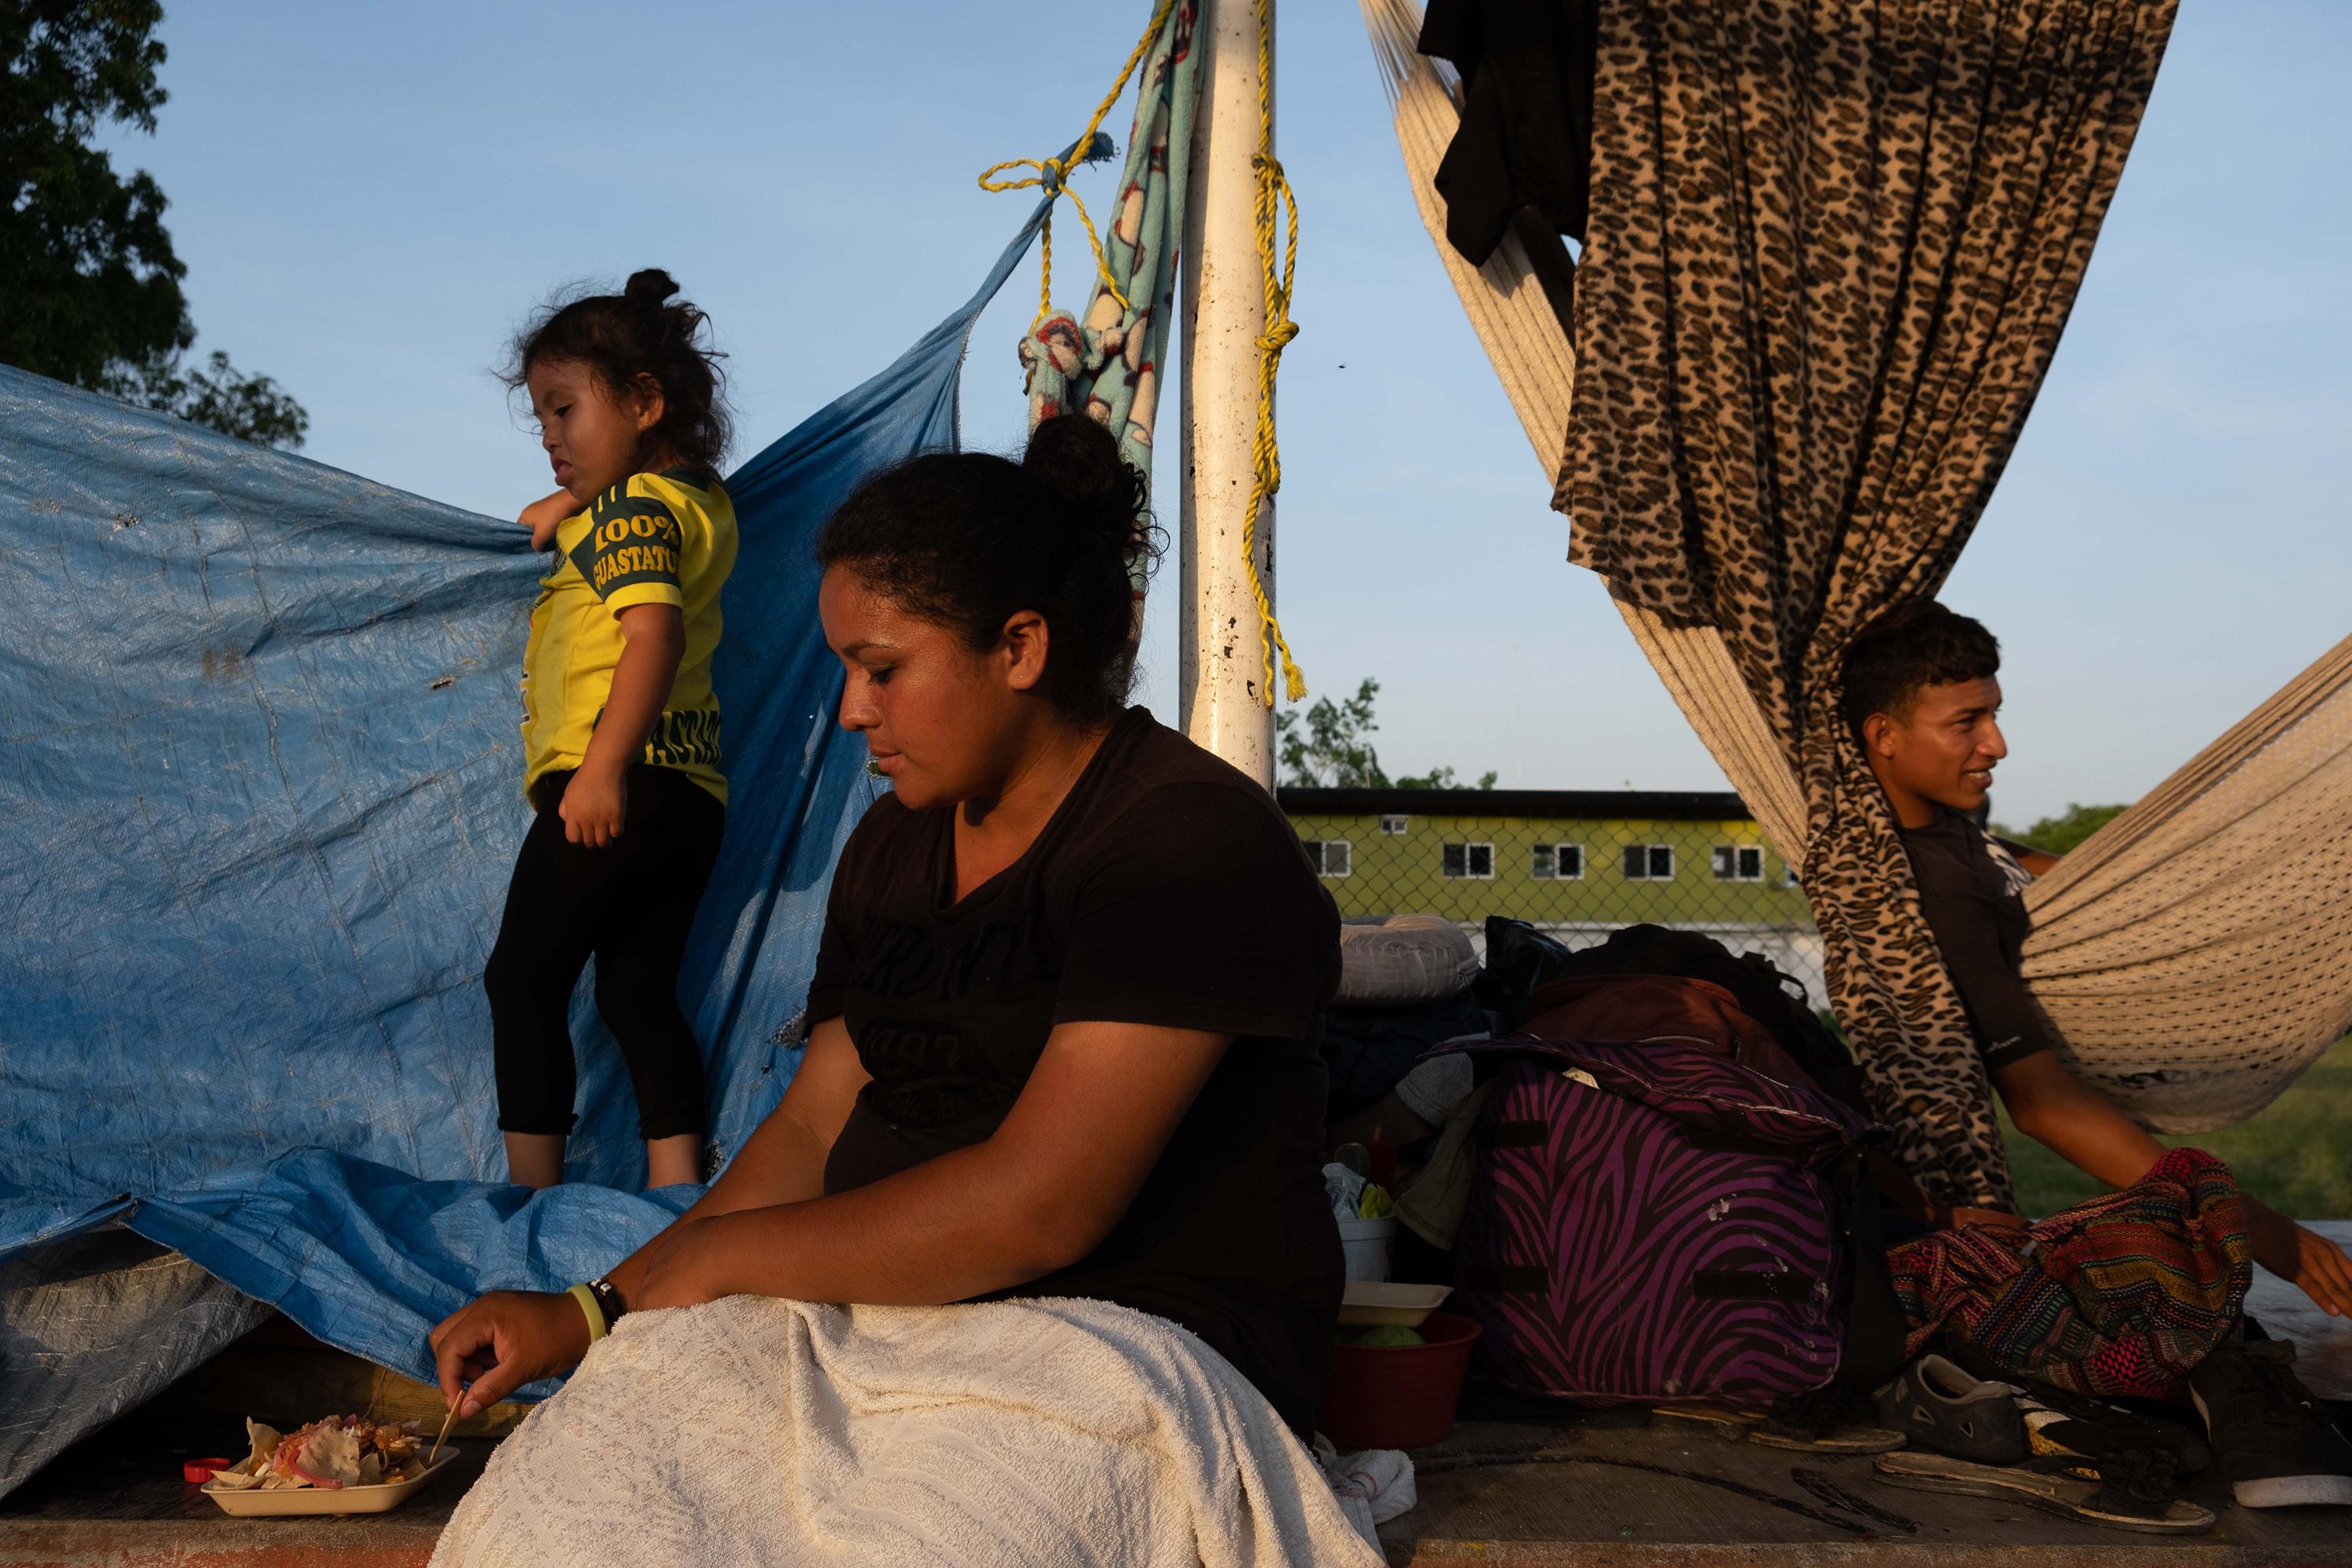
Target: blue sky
369	198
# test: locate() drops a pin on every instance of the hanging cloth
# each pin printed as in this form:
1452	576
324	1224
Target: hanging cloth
1526	136
1829	259
1798	497
1107	365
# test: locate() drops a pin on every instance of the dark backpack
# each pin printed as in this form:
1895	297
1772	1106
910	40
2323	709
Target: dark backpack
1521	960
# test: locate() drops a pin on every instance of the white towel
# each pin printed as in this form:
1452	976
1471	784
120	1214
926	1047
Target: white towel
753	1430
1373	1486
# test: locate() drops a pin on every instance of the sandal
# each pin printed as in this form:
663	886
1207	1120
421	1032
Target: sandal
2052	1492
1748	1426
2060	1423
1937	1406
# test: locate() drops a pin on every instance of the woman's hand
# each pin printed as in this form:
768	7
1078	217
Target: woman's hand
684	1266
2303	1257
542	516
593	804
503	1340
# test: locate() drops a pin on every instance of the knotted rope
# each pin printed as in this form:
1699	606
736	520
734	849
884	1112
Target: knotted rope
1053	173
1275	199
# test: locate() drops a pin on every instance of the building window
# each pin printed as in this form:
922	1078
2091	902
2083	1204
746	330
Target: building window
1649	863
1738	863
1394	827
1789	878
1557	863
1330	856
1476	861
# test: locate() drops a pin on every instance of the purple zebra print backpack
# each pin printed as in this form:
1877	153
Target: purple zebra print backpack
1655	1223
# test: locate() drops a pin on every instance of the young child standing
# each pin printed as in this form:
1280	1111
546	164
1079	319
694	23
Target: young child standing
620	725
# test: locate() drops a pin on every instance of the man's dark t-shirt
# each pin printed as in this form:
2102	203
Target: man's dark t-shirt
1975	906
1167	890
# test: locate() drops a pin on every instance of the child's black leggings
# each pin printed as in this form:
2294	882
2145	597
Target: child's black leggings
631	905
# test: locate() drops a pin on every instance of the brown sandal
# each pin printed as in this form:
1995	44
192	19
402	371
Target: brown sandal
2051	1490
1747	1427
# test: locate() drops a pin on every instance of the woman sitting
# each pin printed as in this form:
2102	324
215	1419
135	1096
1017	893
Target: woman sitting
1066	1004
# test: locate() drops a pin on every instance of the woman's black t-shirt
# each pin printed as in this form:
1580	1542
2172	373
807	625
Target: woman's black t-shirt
1166	890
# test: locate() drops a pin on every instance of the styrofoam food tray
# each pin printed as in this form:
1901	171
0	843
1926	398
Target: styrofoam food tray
253	1502
1372	1303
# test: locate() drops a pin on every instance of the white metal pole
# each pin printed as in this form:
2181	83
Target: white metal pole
1221	699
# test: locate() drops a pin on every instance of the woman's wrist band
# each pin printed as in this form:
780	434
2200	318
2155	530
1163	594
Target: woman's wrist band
591	1311
608	1300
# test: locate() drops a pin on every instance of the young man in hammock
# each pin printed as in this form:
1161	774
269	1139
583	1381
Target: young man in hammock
1922	691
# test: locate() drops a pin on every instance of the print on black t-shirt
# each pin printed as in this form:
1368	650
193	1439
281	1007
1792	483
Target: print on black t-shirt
929	1071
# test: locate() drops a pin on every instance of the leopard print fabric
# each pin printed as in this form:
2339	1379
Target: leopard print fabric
1831	250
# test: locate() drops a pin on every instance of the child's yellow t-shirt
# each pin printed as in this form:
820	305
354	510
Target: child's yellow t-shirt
653	539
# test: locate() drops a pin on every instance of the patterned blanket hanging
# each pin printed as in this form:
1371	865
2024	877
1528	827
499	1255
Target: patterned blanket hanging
1108	365
1828	264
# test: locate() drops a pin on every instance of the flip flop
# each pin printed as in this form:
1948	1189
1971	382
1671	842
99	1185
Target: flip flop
1747	1427
2092	1502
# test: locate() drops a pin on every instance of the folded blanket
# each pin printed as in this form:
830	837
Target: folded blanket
1036	1432
2118	1296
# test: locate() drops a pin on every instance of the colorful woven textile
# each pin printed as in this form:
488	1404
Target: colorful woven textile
2121	1295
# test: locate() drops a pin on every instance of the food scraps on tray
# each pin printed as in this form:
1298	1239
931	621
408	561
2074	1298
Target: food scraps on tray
334	1453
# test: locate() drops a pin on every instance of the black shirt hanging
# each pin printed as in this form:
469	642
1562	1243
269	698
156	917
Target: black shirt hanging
1526	136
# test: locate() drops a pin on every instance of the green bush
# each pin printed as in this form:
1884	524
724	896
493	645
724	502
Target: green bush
2295	1155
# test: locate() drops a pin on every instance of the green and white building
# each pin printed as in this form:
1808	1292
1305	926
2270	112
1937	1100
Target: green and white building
1577	863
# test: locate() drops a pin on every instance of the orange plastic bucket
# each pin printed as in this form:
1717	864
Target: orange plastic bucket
1398	1396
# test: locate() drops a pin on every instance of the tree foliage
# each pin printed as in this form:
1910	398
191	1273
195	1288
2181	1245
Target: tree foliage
217	396
90	279
1443	778
2059	833
1330	746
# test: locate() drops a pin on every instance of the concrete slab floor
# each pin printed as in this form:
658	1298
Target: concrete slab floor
1598	1495
1603	1493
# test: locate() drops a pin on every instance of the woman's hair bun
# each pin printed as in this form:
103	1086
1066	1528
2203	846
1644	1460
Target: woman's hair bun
968	540
1078	460
650	287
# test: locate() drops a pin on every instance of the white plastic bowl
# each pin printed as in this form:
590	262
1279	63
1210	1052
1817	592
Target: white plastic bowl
1373	1303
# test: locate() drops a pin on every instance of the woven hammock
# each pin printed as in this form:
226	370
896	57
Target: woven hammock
2196	954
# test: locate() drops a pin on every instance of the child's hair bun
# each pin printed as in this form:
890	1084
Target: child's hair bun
649	289
626	338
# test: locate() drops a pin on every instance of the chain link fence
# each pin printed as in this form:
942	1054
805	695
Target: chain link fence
1576	864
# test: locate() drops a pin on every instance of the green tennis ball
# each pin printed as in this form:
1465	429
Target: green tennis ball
1390	1336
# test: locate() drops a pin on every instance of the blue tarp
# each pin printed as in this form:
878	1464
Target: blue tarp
260	770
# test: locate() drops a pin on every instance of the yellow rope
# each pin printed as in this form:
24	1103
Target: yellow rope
1053	173
1274	194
